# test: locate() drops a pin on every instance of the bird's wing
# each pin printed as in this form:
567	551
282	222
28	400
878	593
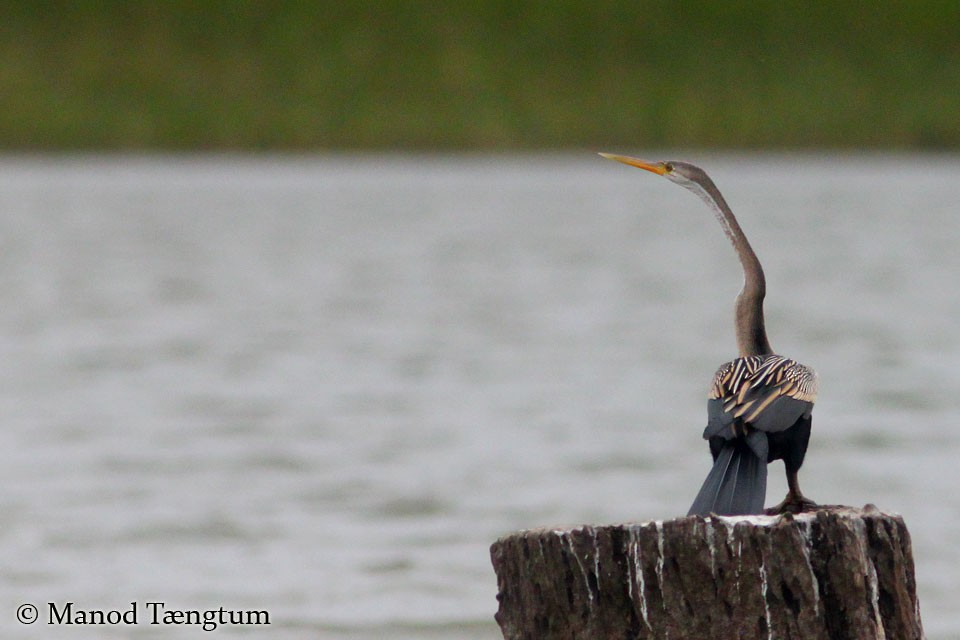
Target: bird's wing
768	393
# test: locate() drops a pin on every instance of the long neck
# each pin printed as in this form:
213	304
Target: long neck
751	333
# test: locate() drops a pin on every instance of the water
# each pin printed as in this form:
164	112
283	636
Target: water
323	386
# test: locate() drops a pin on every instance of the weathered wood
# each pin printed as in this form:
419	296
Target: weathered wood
838	573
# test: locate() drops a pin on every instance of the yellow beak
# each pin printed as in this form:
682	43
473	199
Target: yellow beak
658	168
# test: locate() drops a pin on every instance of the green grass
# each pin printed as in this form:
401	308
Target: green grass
243	75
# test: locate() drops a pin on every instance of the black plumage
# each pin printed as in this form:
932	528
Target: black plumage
758	411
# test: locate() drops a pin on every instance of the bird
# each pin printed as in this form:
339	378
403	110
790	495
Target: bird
759	404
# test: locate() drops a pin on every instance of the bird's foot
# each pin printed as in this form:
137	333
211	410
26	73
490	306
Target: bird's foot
793	503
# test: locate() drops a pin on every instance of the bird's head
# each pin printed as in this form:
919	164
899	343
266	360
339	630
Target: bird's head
682	173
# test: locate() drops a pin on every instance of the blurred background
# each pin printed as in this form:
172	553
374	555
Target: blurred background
205	75
303	304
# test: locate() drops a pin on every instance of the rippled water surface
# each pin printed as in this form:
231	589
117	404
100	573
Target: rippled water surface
322	387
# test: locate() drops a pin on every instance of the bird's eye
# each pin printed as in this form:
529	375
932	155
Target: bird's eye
668	166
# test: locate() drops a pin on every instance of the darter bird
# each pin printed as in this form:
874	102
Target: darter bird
759	404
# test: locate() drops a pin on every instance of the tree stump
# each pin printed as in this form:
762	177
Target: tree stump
837	573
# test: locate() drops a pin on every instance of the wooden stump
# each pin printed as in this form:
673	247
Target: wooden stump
833	574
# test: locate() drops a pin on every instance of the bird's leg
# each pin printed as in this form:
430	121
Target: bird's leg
795	502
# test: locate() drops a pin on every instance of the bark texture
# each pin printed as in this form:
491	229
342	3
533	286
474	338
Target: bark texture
838	573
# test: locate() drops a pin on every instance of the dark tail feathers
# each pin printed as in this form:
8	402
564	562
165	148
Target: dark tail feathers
737	484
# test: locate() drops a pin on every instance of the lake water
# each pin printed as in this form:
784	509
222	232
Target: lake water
323	386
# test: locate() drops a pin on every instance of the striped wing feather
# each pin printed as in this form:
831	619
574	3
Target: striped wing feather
769	393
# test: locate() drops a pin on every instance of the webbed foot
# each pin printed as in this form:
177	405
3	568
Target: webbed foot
793	503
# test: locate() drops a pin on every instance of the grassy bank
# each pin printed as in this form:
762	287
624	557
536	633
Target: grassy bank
392	74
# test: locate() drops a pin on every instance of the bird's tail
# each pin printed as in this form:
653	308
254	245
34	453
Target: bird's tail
736	485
